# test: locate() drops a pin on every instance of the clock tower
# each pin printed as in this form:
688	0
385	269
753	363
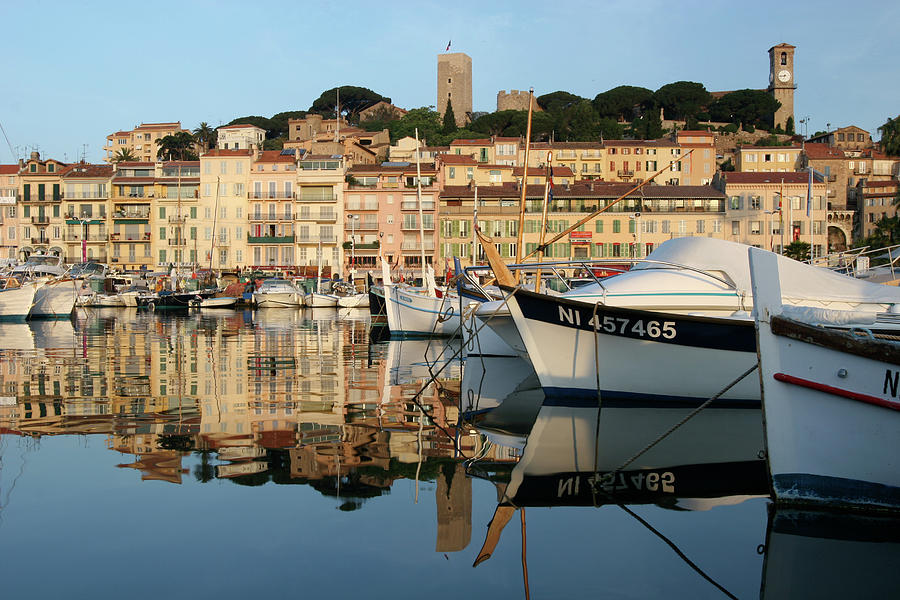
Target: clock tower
781	81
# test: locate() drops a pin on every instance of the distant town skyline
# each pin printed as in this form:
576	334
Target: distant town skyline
76	73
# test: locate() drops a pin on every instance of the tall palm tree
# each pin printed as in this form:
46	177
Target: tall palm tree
124	155
178	146
205	135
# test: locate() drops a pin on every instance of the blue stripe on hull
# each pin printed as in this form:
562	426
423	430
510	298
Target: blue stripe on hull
584	398
805	488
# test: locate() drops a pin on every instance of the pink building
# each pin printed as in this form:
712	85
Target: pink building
382	216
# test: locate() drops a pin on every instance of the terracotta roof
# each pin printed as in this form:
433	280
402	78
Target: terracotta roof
477	142
239	126
182	163
769	148
507	139
86	170
822	151
696	132
176	124
119	134
884	183
275	156
9	169
232	153
134	164
667	143
769	177
568	145
144	180
376	169
456	159
542	171
321	157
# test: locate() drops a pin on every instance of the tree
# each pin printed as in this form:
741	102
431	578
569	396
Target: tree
205	136
682	98
353	100
178	146
745	108
797	250
648	126
886	233
890	137
620	102
557	102
124	155
449	119
789	126
426	119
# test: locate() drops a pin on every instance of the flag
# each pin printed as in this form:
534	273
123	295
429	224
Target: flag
448	46
809	194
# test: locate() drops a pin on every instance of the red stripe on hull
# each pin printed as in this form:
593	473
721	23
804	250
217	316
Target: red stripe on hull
821	387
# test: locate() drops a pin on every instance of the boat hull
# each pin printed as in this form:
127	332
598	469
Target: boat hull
54	300
315	300
411	313
354	301
277	300
634	356
16	303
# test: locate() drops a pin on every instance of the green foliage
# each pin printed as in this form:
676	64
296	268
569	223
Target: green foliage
648	126
205	136
557	102
682	98
789	126
620	102
886	233
353	100
425	118
727	165
274	143
449	119
730	128
797	251
745	108
178	146
772	140
124	155
261	122
890	137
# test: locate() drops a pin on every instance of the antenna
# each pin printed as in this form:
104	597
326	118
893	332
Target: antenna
84	148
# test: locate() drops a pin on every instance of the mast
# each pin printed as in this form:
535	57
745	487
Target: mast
537	281
475	226
521	230
419	202
809	213
212	244
319	264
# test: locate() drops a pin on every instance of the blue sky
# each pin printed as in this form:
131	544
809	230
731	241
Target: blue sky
75	72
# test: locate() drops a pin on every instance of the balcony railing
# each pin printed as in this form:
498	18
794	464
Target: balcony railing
177	220
41	220
265	195
270	239
87	195
313	239
130	237
415	227
331	198
134	214
625	173
365	226
177	242
40	241
415	206
43	198
90	237
260	216
429	246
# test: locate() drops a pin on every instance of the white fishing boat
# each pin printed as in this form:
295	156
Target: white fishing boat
217	302
354	301
831	403
16	298
318	300
581	345
277	293
56	298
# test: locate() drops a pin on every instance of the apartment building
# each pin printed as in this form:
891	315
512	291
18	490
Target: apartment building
633	226
877	202
86	194
41	219
382	210
701	163
271	240
140	141
177	216
767	159
844	138
319	212
9	217
223	206
132	193
583	159
240	137
768	210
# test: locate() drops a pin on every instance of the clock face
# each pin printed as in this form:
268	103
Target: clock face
784	76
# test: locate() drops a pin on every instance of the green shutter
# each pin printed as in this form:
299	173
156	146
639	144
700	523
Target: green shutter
56	210
455	229
162	213
162	233
630	225
617	226
56	194
193	212
26	192
598	226
26	211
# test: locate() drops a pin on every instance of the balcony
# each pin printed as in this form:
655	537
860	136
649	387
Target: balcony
326	216
832	178
40	241
426	206
330	198
365	226
132	214
416	246
270	239
625	173
40	220
259	216
270	195
415	227
91	237
130	237
222	240
177	242
43	198
177	220
314	239
98	195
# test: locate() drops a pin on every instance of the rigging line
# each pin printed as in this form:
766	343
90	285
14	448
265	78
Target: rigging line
8	143
677	551
415	398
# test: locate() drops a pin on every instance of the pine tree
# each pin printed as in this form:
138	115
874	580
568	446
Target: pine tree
449	119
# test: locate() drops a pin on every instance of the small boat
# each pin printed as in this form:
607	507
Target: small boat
376	302
277	293
56	298
317	300
217	302
354	301
831	400
17	298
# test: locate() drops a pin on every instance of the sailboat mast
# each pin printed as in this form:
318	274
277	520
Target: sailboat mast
212	244
419	202
521	230
537	281
474	225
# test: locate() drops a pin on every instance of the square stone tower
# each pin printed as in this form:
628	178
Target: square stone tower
454	83
781	81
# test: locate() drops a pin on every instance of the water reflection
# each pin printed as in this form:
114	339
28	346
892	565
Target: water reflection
319	400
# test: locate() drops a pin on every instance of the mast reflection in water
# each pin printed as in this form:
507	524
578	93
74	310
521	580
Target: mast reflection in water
235	453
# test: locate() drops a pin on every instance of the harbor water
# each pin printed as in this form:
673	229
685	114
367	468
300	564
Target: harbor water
288	452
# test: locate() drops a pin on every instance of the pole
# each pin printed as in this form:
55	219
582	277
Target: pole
84	235
537	282
212	244
809	213
419	202
521	231
474	226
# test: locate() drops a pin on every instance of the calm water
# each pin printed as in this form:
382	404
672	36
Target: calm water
244	455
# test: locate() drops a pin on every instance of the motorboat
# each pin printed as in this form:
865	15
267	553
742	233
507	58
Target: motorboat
56	298
277	293
831	399
17	297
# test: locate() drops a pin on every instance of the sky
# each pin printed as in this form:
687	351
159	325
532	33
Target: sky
74	72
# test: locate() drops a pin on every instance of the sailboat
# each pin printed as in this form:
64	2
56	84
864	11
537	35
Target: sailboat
317	299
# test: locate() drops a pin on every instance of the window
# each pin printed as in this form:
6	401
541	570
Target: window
223	167
701	226
734	203
735	228
754	202
755	227
452	173
617	226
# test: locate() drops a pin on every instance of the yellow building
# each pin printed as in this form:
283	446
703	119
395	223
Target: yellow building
140	141
223	206
271	240
9	216
86	194
41	221
132	189
767	159
319	212
176	217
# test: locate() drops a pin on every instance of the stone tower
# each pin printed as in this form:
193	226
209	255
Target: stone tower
781	81
454	83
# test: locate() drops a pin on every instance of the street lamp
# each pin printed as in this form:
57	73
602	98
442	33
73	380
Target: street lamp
353	220
84	230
